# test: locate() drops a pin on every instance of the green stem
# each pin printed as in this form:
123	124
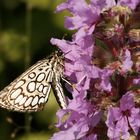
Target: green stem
28	26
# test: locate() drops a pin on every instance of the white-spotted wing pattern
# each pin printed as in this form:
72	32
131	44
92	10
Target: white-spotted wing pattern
30	91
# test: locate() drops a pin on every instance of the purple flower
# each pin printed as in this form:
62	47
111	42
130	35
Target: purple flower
105	79
126	61
103	4
84	15
79	55
121	119
83	116
74	49
136	81
77	126
130	3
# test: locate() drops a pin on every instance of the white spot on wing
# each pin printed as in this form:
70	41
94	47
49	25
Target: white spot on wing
35	101
40	88
48	93
41	100
15	93
32	75
23	100
40	77
31	86
28	102
45	89
18	99
19	84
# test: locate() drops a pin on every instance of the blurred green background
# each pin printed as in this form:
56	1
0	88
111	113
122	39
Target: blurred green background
26	27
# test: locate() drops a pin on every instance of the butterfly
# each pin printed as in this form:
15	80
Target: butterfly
30	91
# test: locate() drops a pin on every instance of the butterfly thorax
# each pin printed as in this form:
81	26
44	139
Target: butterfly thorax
57	62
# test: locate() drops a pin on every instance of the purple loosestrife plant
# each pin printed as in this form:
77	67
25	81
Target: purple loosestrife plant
102	61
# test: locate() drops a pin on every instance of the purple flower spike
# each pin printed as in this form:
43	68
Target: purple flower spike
130	3
100	65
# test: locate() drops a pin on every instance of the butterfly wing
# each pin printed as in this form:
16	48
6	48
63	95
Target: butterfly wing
30	91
